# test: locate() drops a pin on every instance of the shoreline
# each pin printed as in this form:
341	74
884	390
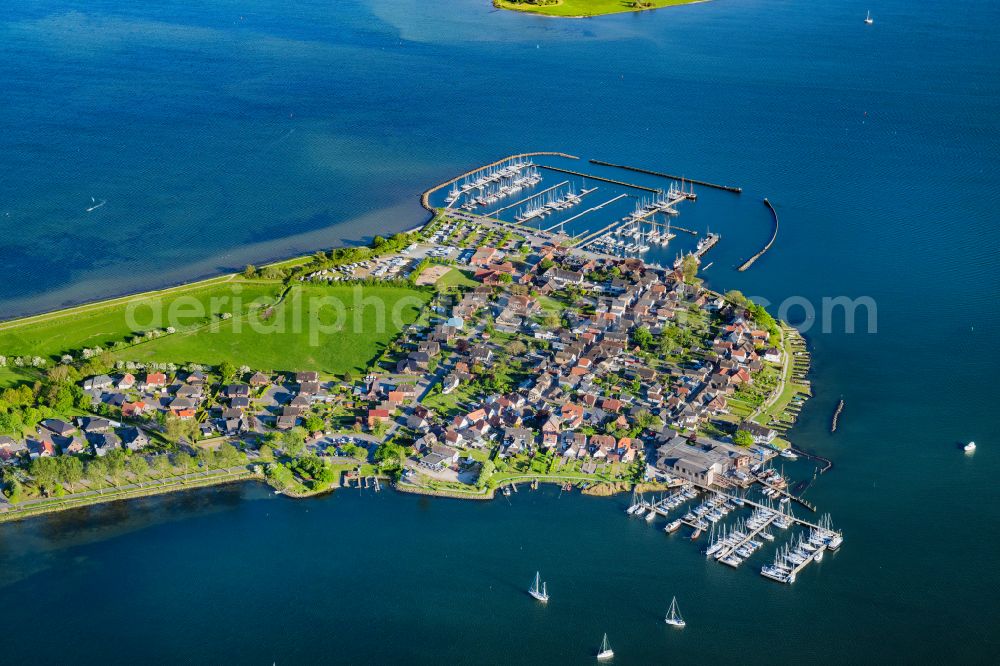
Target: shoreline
203	270
13	515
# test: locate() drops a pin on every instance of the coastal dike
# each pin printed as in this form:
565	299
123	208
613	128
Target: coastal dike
774	236
648	172
425	198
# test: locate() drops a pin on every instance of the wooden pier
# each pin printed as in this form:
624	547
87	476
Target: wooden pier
774	235
591	210
808	560
529	198
727	188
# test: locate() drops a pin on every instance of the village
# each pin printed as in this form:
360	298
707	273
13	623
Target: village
532	361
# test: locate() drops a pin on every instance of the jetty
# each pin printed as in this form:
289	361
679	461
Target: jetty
774	235
600	178
836	416
727	188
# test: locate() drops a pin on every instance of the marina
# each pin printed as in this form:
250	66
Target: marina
733	544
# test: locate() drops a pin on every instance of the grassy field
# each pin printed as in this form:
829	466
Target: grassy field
573	8
330	329
455	278
102	324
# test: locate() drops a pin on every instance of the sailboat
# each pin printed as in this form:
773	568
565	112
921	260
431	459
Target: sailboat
606	652
538	590
868	19
673	617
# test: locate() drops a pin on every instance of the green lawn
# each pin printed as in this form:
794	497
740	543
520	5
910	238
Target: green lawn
330	329
448	405
585	7
455	278
102	324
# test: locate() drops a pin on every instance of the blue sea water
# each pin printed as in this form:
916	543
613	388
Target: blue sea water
222	132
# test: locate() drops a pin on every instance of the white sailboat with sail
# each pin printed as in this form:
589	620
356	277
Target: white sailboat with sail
538	589
673	617
605	652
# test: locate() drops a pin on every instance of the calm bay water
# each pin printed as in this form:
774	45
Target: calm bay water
221	133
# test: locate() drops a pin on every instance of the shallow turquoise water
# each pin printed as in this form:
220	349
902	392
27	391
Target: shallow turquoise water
230	133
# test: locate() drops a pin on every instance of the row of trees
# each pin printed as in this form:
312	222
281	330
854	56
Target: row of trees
51	476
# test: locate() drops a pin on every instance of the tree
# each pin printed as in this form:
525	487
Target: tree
486	470
736	297
70	469
689	267
14	491
645	420
293	442
161	465
389	455
743	438
138	465
314	423
45	472
516	347
250	271
228	455
176	428
643	337
227	371
266	452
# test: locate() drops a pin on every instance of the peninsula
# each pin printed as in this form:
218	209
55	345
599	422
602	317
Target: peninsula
585	8
458	359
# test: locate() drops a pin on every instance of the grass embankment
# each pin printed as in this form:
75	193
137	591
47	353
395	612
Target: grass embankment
307	330
118	320
581	8
280	337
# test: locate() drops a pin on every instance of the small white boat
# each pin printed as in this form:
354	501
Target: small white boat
970	447
673	617
605	652
538	589
868	19
673	526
